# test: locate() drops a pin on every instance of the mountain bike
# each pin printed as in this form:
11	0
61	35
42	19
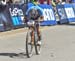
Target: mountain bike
29	45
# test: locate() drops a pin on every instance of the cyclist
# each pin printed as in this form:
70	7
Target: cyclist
35	13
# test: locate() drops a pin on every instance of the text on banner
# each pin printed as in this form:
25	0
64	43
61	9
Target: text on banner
48	14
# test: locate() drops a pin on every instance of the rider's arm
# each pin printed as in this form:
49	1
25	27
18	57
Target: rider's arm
40	10
41	17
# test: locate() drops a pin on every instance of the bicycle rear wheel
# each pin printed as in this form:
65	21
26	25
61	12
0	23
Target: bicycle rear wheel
37	47
29	46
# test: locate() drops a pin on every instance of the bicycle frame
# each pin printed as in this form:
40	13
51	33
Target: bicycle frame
35	40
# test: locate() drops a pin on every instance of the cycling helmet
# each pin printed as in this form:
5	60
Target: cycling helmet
33	14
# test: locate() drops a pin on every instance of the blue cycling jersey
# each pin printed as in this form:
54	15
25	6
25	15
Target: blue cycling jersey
35	7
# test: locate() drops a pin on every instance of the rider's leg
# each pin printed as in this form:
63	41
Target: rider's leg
32	35
39	33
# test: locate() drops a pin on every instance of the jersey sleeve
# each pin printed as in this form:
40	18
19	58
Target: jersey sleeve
40	10
29	9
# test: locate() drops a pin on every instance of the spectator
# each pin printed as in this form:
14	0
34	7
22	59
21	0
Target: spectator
16	1
73	1
70	1
63	2
53	3
45	1
3	2
48	2
9	1
2	5
41	1
36	2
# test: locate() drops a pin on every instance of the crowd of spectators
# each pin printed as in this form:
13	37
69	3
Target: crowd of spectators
53	2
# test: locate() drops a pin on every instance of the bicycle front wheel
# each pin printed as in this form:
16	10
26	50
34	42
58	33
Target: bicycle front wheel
29	46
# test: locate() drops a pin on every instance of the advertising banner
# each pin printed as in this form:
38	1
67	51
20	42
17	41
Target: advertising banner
17	15
1	25
69	12
66	13
49	17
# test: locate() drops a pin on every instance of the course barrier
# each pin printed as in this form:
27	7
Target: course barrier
66	13
49	17
13	16
17	16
